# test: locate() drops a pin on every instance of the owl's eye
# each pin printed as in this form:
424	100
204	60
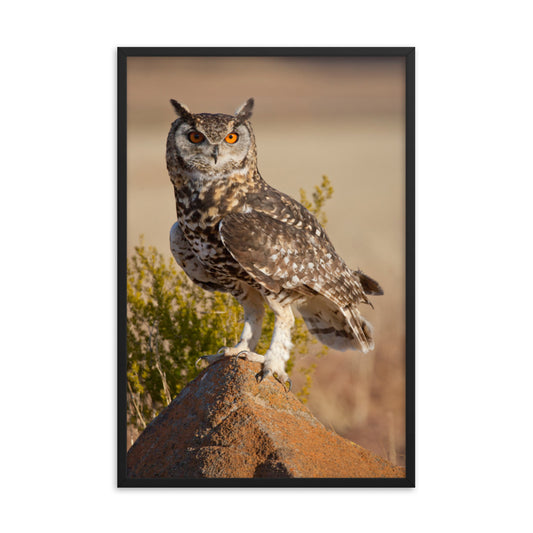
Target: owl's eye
231	138
196	137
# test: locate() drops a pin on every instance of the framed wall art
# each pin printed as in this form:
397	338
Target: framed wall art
266	267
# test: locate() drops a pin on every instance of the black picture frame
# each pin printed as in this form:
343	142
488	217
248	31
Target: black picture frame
409	54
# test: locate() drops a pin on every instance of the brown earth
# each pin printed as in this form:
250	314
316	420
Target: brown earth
226	425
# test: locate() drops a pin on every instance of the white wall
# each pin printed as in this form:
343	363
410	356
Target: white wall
474	175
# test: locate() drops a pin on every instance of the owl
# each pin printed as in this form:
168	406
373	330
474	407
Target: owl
237	234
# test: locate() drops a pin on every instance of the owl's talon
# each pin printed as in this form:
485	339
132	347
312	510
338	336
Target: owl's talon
286	383
225	352
211	358
289	385
260	376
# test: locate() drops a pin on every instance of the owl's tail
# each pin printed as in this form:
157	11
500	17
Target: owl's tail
340	329
334	318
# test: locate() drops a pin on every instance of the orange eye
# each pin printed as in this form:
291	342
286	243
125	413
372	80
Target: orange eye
231	138
196	137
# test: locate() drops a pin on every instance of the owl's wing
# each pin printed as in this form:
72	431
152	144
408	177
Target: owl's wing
283	256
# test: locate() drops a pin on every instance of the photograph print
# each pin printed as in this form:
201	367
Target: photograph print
265	267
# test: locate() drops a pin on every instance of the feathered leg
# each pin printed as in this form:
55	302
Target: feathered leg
254	310
280	346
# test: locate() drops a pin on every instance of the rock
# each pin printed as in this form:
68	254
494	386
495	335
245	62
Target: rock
226	425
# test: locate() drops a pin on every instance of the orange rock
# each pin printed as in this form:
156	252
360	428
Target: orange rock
226	425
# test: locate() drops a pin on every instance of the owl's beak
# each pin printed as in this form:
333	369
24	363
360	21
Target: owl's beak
215	153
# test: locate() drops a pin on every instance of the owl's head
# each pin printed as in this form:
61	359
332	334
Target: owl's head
211	144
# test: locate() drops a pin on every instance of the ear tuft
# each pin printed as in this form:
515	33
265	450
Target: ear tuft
245	111
181	110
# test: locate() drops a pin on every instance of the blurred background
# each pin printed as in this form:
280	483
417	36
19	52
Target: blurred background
339	117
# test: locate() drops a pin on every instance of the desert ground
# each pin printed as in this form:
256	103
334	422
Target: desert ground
343	118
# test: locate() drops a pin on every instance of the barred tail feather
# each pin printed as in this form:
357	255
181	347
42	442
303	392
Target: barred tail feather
340	329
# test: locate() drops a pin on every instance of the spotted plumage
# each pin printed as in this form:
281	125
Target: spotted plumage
237	234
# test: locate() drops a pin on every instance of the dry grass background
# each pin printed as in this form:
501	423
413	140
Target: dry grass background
343	118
